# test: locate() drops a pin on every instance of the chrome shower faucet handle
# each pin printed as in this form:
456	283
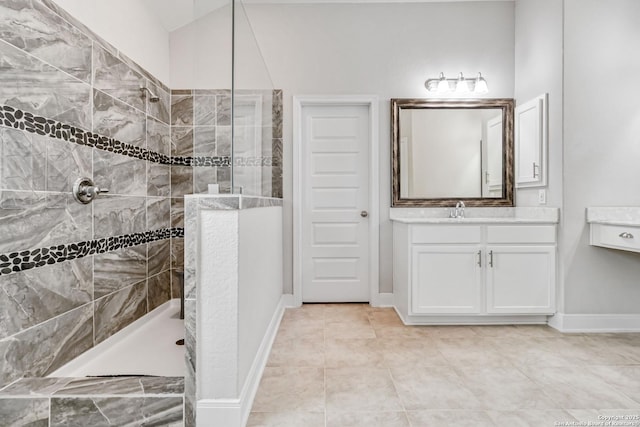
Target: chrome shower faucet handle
84	190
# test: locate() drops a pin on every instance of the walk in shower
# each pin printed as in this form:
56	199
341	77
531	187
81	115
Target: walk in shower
73	276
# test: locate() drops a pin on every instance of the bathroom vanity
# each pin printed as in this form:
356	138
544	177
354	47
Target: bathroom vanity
615	227
496	265
488	263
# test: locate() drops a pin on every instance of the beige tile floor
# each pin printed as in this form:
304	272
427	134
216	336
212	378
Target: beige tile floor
339	365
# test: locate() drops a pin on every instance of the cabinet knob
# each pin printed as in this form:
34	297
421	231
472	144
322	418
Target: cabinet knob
626	235
364	214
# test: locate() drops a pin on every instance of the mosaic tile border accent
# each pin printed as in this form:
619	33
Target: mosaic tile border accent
223	161
25	260
216	161
23	120
258	161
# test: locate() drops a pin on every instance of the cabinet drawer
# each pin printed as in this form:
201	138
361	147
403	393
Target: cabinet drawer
521	234
446	233
616	236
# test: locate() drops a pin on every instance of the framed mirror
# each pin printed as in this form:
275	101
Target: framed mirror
444	151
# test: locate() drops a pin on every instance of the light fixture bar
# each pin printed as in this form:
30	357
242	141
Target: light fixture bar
460	84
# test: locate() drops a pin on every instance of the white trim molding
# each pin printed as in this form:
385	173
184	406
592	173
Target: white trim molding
471	320
595	322
371	101
384	300
235	412
289	301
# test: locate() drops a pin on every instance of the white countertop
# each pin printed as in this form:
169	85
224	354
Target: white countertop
614	215
517	215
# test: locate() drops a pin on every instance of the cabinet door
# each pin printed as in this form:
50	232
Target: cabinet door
531	143
521	279
446	279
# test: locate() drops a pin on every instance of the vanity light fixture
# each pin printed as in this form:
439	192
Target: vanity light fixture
462	86
443	84
481	85
457	85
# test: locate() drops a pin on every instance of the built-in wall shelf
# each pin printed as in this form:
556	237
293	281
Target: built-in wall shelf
615	227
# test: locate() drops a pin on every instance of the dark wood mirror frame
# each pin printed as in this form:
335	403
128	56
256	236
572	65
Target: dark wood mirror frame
505	104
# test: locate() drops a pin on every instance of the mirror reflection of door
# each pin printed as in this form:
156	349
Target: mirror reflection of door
492	182
247	144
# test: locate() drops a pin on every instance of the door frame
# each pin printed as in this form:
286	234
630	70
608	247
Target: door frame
371	101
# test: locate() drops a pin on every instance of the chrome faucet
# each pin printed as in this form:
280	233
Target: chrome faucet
458	211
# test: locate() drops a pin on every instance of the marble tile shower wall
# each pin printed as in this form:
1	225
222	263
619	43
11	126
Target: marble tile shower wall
71	275
201	126
201	130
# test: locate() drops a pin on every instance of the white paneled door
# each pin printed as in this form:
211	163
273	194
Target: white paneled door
334	169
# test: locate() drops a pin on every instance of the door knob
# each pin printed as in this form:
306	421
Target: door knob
364	214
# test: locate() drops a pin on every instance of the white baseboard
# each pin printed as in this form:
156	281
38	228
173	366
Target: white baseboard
289	301
595	322
219	412
383	300
235	412
470	320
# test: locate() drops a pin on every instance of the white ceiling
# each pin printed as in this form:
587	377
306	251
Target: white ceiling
174	14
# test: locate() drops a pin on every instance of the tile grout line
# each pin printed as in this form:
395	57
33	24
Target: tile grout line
324	367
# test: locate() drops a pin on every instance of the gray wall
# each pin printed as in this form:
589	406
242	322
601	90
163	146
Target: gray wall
538	70
384	49
570	49
601	149
565	48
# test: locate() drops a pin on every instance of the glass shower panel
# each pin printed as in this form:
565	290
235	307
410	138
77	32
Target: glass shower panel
206	46
255	103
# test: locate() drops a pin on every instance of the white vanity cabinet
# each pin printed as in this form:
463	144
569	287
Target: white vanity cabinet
446	279
466	269
445	268
521	269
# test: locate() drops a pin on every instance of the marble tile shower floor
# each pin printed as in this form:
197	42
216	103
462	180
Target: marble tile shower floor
338	365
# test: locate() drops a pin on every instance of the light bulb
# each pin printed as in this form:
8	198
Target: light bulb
481	85
462	86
